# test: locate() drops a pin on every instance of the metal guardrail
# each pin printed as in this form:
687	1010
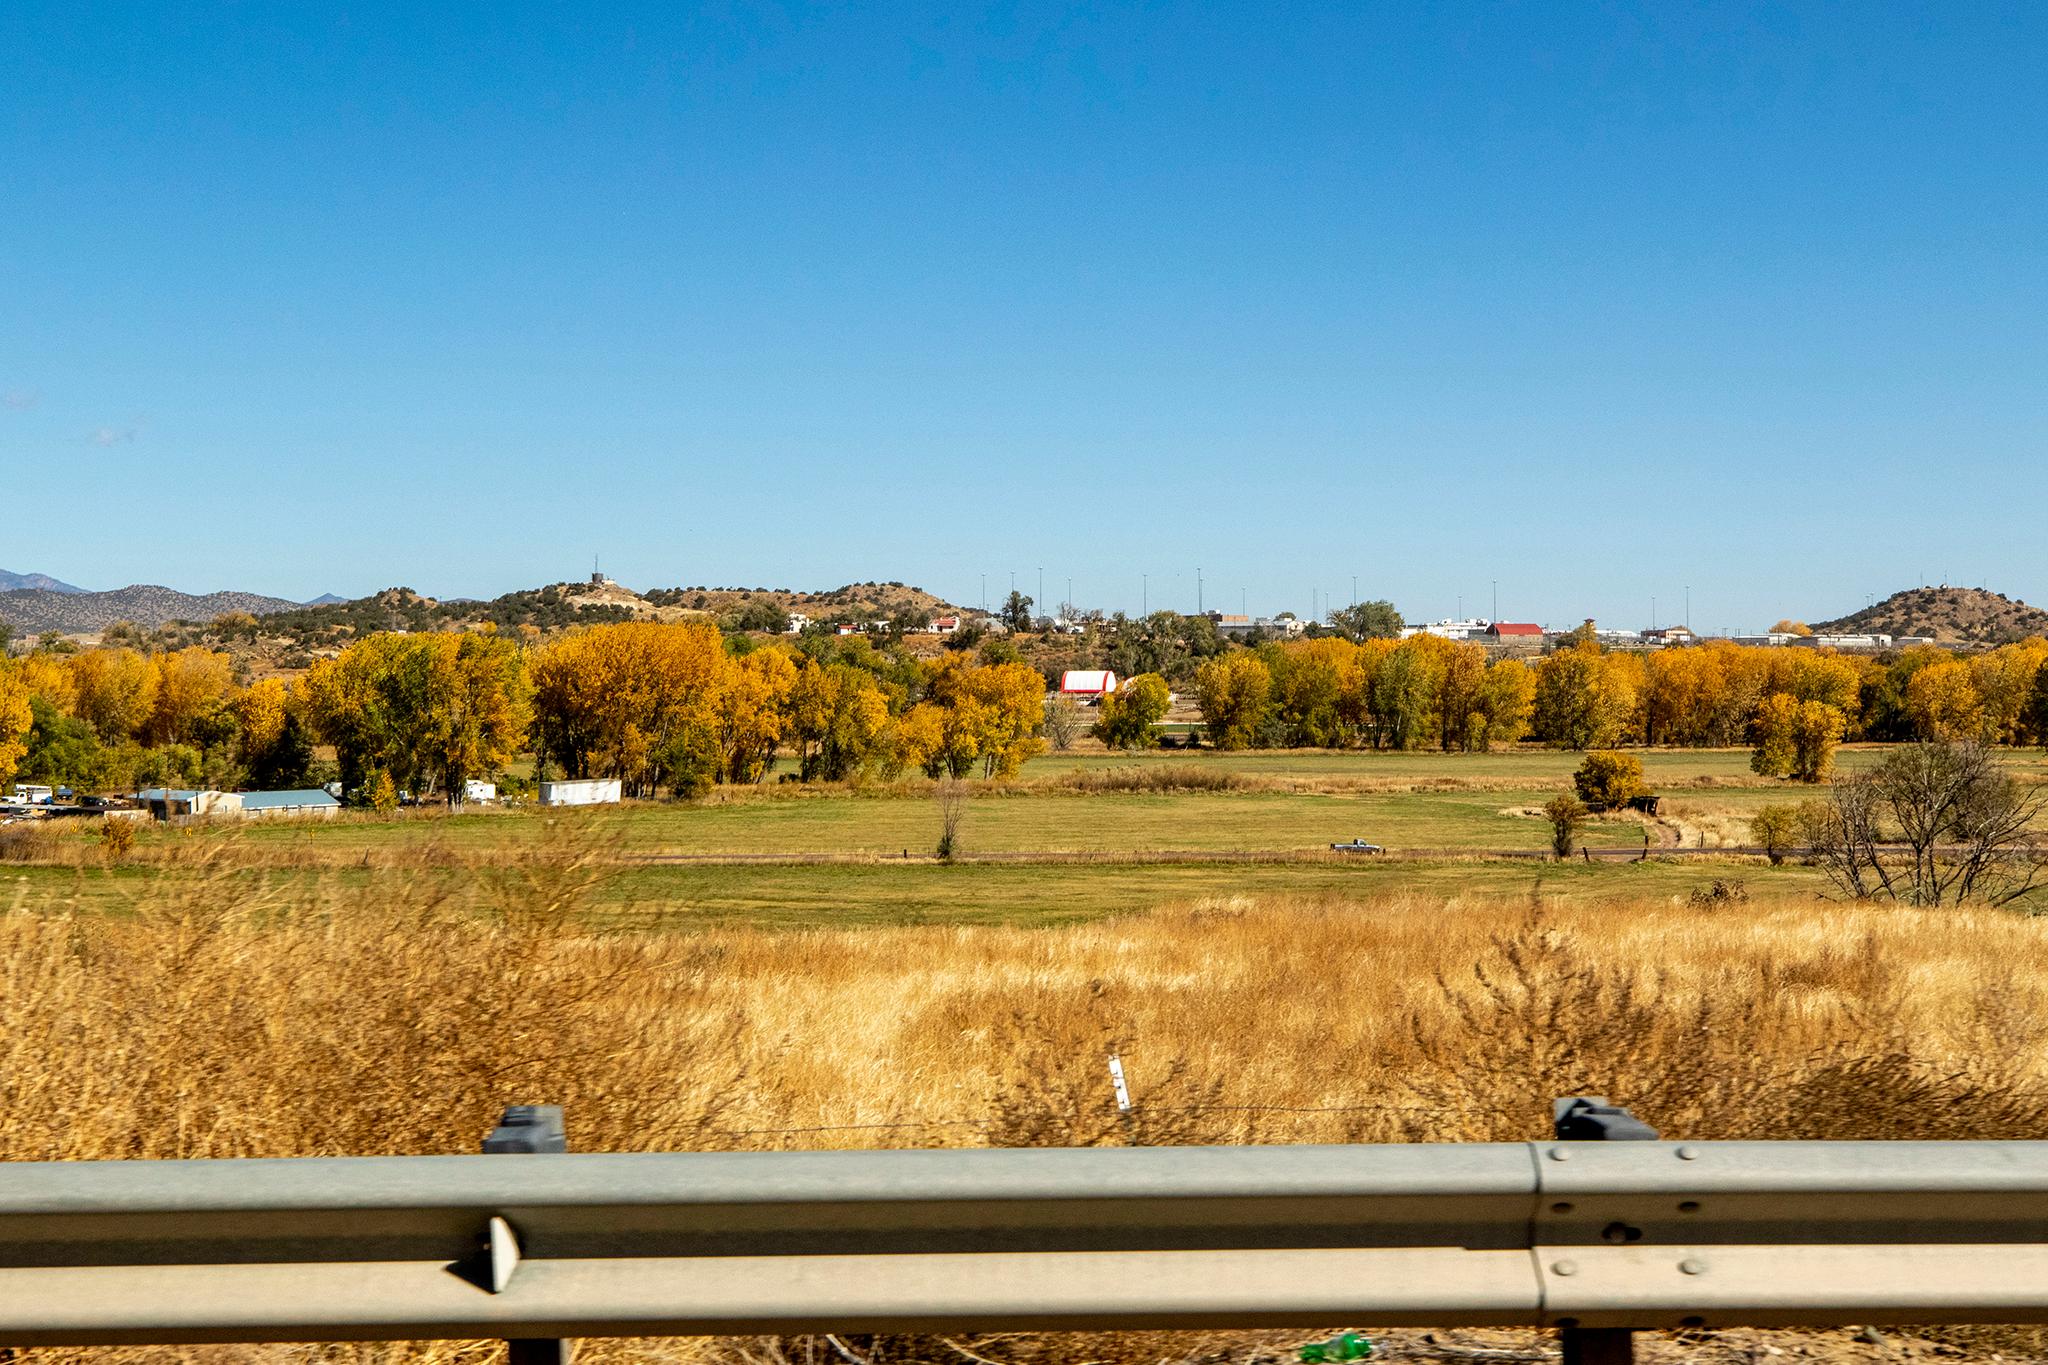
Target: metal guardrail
1578	1234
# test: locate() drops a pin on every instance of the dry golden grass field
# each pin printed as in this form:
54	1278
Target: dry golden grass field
224	1012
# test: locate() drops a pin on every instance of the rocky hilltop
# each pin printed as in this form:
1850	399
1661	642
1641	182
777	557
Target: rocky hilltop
34	610
1952	615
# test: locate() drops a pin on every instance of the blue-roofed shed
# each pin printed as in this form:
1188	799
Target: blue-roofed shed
305	801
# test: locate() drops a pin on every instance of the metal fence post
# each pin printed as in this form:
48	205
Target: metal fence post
1590	1118
532	1128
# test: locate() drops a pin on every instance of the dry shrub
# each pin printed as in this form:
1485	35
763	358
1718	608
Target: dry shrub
1056	1090
221	1019
116	838
30	843
1754	1050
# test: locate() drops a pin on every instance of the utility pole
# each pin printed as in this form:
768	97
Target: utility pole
1244	597
1145	595
1070	594
984	594
1354	590
1688	608
1041	587
1198	590
1496	602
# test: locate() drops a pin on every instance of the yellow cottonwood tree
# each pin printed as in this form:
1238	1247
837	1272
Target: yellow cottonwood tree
114	690
15	716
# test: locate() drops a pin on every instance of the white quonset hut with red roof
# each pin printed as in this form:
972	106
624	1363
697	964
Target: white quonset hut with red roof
1516	632
1087	682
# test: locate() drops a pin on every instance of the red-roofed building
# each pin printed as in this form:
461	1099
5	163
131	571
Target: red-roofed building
1518	631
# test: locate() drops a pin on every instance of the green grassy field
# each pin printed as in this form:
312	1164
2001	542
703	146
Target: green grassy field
843	895
788	856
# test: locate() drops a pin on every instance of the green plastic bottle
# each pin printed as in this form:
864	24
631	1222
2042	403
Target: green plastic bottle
1342	1347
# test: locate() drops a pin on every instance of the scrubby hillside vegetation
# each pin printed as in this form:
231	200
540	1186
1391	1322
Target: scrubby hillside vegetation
1954	615
34	610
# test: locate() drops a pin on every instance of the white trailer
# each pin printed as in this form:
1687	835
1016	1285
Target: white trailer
594	791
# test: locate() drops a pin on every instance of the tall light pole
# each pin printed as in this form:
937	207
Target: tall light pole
1496	602
1688	608
1041	587
984	594
1145	595
1198	590
1354	590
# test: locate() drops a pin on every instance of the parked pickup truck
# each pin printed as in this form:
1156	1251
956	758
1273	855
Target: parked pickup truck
1356	846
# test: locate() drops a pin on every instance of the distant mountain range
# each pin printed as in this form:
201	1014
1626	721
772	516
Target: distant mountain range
73	611
41	582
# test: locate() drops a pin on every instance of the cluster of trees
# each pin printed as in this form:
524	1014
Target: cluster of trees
673	708
1792	706
1935	823
114	718
1423	692
677	707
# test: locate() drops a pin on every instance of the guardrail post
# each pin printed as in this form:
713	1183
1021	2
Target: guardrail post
532	1128
1590	1118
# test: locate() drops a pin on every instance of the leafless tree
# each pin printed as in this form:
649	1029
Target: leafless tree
1933	824
951	794
1062	722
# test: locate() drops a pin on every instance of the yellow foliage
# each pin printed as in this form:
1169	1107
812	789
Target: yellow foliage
15	716
1942	701
1235	694
261	711
189	683
114	691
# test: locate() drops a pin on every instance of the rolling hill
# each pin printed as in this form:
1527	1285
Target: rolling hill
1952	615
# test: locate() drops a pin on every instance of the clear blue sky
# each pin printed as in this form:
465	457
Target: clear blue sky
1599	301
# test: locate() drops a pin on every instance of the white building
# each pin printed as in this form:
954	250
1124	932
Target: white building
1471	628
1844	641
797	622
1087	682
593	791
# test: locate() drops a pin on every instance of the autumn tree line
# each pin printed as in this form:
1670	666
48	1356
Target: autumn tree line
663	708
680	708
1791	706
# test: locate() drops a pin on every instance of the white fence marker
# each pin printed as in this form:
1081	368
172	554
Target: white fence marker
1116	1078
